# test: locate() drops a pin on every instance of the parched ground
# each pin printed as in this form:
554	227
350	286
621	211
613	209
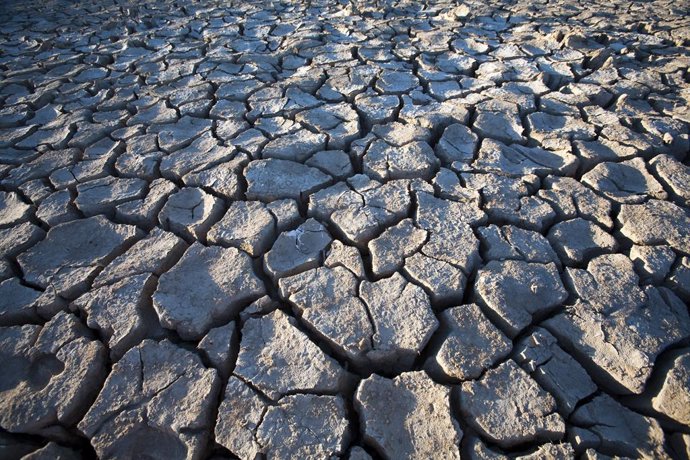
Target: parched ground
331	229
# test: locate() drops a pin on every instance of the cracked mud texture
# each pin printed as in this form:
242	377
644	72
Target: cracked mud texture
344	229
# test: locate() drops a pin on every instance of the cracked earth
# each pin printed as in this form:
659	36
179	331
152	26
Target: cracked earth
331	229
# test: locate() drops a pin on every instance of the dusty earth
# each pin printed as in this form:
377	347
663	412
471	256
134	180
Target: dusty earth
330	229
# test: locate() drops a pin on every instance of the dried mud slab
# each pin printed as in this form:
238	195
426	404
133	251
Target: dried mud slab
344	229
